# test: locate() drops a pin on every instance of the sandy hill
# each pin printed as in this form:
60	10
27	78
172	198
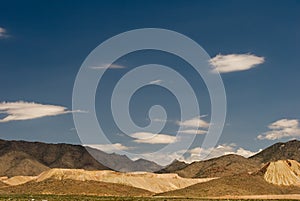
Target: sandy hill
282	172
242	184
279	151
2	184
73	187
148	181
217	167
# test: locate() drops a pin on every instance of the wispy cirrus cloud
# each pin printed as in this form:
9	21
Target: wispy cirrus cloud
283	128
16	111
3	33
104	66
193	131
152	138
235	62
110	147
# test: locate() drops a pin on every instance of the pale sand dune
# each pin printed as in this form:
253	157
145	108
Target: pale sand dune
156	183
283	172
17	180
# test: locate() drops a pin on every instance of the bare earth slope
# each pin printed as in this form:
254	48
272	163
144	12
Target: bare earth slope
283	172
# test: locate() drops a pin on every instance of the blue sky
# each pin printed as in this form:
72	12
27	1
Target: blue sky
43	44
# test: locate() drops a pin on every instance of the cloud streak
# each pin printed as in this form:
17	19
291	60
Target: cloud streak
110	147
3	33
235	62
16	111
104	66
151	138
195	122
284	128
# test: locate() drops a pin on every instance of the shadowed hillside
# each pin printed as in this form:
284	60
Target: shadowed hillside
122	162
38	156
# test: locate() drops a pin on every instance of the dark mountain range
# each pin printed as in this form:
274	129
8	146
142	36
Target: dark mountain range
122	163
32	158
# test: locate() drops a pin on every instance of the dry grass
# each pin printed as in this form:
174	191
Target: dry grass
243	184
71	187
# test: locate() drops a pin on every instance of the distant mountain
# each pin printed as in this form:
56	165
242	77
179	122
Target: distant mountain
217	167
279	151
32	158
173	167
122	163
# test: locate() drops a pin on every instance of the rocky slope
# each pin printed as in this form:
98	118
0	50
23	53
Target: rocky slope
279	151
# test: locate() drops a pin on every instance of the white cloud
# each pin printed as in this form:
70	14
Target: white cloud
195	122
284	128
198	153
104	66
156	82
3	33
110	147
193	131
235	62
28	110
151	138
